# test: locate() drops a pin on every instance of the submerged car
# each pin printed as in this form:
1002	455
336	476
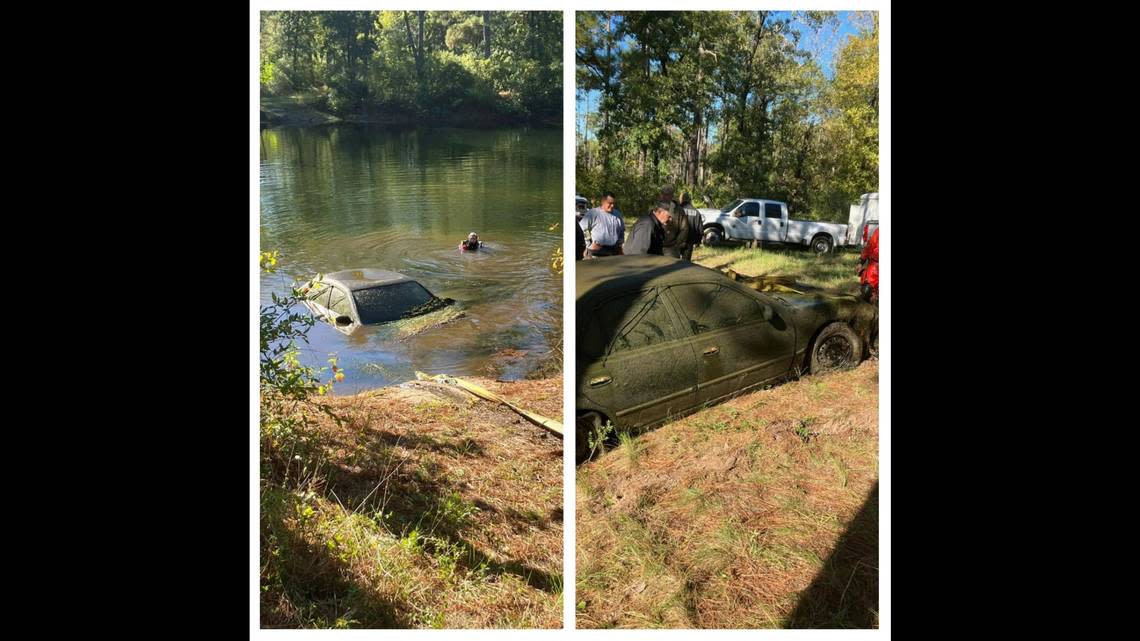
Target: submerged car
352	298
659	338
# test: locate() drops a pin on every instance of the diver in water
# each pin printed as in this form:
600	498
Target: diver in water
472	243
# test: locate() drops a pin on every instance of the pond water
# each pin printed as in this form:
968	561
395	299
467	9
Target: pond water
346	197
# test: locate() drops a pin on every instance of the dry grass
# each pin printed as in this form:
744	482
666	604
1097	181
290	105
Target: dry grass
834	272
757	513
419	511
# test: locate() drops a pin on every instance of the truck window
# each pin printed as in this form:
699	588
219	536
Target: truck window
772	210
750	209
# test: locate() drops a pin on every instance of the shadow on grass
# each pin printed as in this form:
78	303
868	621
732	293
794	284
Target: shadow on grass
845	593
312	580
416	498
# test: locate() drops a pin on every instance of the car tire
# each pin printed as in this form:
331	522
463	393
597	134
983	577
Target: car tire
836	348
587	423
713	237
821	244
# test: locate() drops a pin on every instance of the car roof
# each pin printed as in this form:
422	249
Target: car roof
614	274
357	279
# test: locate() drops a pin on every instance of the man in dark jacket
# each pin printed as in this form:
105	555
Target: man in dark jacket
677	230
648	234
695	224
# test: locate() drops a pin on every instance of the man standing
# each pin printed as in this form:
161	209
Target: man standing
607	229
695	220
648	233
677	231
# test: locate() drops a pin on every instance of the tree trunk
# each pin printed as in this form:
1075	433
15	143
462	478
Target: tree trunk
486	34
367	41
421	36
747	88
417	53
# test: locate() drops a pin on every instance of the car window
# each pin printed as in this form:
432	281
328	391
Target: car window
750	209
772	210
629	322
339	302
709	306
389	302
319	293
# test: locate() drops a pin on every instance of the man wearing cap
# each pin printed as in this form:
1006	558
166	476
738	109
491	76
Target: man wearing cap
677	230
648	234
607	229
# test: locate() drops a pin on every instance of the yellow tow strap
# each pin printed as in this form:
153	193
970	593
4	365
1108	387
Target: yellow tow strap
541	421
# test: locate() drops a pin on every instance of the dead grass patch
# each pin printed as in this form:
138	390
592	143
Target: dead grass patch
422	511
760	512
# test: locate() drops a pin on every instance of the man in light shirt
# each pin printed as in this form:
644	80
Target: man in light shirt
607	229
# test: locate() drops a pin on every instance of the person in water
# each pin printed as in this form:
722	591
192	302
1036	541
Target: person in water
472	243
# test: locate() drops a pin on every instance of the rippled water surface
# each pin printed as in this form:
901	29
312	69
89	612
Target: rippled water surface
349	197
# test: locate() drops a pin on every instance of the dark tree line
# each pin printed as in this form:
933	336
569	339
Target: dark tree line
419	62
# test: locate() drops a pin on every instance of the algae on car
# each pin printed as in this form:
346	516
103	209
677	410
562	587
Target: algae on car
406	328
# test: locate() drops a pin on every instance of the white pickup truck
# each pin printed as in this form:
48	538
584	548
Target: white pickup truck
756	219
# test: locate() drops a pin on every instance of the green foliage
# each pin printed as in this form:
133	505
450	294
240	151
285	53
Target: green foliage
423	63
596	439
289	449
727	104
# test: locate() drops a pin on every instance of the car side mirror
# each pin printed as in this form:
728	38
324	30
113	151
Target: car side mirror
343	321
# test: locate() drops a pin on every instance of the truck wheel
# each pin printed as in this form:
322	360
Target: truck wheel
821	244
836	348
714	237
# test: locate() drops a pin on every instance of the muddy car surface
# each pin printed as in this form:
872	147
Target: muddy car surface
659	338
352	298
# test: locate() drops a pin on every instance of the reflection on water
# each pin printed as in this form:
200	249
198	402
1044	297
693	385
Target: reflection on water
343	197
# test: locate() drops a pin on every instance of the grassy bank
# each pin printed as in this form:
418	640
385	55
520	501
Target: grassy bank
761	512
423	507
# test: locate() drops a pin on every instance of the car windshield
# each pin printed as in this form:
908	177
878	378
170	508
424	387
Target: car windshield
390	302
728	208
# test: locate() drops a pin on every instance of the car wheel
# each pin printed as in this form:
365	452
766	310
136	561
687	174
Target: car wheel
714	237
589	423
836	348
821	244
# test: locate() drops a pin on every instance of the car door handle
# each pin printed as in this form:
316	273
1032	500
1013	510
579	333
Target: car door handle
599	381
711	350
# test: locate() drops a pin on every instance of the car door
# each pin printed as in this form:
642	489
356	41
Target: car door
774	229
739	338
637	360
750	220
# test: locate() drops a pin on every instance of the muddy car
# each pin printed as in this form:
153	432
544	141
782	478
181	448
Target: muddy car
353	298
659	338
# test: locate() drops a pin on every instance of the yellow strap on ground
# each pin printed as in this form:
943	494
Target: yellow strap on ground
537	419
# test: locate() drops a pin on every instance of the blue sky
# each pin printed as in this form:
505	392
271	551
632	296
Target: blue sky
827	42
